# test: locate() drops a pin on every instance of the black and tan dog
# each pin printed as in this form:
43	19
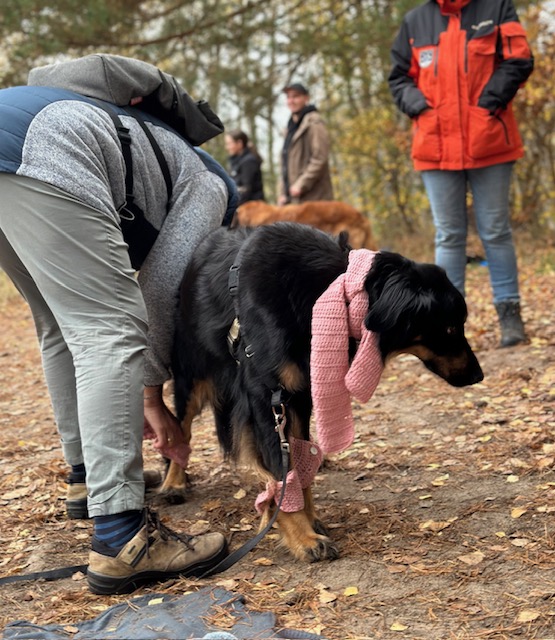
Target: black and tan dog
283	269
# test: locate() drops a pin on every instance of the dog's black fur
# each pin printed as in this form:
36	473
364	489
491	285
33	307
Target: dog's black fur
284	268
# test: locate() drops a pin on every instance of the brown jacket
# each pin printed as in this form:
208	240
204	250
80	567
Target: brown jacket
307	160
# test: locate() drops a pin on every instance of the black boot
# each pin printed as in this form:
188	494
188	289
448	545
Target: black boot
512	328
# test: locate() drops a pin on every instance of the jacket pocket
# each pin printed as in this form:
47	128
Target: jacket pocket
487	135
480	63
513	37
427	136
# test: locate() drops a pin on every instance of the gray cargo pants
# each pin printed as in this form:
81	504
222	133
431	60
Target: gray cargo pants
70	263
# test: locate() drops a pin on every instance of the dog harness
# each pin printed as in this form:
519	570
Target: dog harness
337	316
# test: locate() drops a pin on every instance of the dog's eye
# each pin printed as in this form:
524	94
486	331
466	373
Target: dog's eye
451	331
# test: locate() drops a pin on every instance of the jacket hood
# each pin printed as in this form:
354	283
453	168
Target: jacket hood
452	6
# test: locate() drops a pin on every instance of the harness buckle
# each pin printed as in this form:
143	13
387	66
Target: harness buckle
233	337
233	280
280	420
123	135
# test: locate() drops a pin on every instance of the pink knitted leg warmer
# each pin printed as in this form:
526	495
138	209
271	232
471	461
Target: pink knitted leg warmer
306	460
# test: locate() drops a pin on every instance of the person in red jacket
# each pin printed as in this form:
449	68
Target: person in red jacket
457	65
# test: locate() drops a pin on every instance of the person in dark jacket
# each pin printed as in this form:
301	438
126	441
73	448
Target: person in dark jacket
244	166
457	65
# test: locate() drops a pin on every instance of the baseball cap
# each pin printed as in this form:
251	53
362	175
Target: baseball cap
296	86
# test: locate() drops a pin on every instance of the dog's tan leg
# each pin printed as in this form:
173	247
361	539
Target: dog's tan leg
174	487
300	531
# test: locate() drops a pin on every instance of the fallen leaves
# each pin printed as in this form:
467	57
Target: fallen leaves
16	494
528	615
480	460
436	527
326	597
440	480
472	559
520	542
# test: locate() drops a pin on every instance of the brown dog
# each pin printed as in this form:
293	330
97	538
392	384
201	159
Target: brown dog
330	216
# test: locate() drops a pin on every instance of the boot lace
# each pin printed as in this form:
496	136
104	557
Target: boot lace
153	523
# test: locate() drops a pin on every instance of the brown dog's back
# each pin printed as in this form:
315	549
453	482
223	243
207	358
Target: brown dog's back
330	216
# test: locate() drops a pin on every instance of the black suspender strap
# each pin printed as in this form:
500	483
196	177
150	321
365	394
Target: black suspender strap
156	148
125	141
138	232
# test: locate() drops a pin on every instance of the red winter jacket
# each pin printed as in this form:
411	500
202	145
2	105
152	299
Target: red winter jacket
457	65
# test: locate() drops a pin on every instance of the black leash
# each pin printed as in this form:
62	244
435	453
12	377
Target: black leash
228	561
235	556
54	574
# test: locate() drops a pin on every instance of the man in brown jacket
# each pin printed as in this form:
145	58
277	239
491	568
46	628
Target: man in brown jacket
304	159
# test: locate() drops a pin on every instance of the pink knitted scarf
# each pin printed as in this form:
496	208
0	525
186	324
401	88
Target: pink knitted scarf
338	315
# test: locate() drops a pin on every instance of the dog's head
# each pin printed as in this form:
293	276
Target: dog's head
415	309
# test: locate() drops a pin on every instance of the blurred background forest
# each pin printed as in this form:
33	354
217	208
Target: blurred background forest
238	55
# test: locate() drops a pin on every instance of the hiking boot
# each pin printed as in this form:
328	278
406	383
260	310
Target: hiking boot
76	497
512	327
76	501
156	553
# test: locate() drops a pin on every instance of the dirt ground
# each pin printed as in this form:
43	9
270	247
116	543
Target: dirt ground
444	507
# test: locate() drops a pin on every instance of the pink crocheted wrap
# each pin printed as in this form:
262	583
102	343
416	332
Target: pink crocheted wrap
306	459
338	315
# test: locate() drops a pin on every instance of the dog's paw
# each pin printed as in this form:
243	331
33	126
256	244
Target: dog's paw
175	486
307	541
325	549
167	497
320	528
173	497
172	494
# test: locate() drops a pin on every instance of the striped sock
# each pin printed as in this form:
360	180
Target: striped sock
117	529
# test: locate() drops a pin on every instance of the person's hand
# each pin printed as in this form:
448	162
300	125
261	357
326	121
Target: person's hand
160	424
295	192
163	428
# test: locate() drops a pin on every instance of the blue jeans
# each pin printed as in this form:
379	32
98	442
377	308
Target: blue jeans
490	193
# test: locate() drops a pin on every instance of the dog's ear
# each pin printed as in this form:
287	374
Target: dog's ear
234	220
343	241
395	297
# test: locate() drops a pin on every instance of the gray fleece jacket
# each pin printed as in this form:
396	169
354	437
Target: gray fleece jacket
65	140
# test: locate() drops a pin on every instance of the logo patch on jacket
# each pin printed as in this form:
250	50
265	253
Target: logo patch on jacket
426	58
